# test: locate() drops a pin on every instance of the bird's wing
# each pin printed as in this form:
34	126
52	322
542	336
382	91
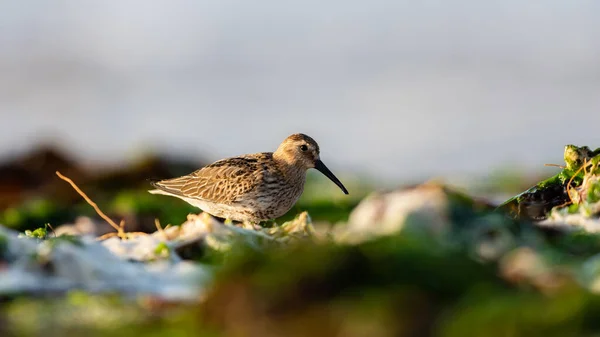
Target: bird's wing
225	181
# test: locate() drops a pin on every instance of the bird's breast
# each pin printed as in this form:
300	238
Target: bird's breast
276	197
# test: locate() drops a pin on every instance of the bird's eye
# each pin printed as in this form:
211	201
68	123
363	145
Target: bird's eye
303	148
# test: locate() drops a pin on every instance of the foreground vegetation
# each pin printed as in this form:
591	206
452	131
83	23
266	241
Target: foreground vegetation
425	261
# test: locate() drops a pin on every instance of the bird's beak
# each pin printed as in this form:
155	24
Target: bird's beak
323	169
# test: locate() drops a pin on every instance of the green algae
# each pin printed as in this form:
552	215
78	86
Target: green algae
162	250
36	212
436	289
64	239
593	195
40	233
82	314
3	245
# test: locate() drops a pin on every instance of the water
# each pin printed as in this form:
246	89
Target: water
397	90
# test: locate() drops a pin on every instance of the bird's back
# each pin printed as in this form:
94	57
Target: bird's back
226	181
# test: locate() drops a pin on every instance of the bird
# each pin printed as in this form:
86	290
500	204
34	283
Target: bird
251	188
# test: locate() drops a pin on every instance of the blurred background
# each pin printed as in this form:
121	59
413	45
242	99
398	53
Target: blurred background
397	90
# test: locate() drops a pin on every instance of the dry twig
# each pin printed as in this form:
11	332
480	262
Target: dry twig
569	187
119	228
160	229
555	165
52	229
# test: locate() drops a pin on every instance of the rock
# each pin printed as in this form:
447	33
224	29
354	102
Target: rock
525	266
572	222
65	263
388	213
432	212
84	225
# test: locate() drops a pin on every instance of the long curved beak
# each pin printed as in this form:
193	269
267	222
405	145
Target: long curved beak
323	169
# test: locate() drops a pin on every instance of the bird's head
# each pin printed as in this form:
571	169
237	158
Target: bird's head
301	151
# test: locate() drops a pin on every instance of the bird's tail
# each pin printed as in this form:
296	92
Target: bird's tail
167	187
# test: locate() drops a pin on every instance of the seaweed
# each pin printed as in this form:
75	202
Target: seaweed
537	201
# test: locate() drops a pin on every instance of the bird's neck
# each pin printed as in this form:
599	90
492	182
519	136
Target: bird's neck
290	169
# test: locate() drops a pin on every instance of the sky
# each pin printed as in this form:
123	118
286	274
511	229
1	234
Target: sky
393	89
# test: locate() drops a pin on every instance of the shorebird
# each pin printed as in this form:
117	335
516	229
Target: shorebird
254	187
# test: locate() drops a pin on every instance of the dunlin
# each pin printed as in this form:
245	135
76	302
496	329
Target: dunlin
254	187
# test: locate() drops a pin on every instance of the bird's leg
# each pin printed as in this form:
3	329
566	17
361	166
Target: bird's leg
250	225
270	223
246	225
219	219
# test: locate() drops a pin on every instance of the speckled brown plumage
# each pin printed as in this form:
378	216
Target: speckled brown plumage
253	187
